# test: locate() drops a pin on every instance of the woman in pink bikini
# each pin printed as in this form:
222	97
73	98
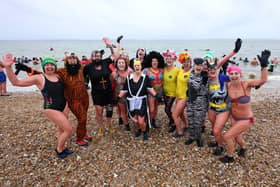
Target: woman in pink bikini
242	117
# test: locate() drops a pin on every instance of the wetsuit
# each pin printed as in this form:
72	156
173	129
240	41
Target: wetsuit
53	93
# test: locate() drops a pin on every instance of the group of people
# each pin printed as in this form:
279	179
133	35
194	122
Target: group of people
135	87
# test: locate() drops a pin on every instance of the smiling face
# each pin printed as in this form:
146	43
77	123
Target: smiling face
198	68
169	61
154	63
49	68
140	54
137	67
212	73
72	60
234	75
187	63
121	65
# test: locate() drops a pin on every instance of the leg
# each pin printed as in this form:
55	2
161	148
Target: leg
79	109
64	126
99	119
191	119
178	111
123	110
237	128
168	101
143	125
220	121
153	110
4	88
1	88
212	117
109	114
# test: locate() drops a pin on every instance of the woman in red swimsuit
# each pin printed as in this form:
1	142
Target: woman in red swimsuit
241	112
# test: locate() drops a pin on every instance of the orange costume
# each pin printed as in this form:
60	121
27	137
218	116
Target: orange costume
77	98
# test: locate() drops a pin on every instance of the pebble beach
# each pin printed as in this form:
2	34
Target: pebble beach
27	156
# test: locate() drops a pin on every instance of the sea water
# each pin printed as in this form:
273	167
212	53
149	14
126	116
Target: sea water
196	48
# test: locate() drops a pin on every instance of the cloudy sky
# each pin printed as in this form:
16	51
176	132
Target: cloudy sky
142	19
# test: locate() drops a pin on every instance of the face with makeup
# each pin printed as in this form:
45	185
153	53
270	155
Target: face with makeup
154	63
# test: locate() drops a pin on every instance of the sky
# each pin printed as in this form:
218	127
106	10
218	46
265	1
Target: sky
142	19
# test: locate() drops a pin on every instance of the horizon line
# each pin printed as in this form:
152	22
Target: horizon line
135	39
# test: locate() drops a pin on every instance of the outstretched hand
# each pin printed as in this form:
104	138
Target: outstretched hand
7	60
107	41
264	58
238	44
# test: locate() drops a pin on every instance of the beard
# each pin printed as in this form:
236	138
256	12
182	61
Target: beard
97	62
73	69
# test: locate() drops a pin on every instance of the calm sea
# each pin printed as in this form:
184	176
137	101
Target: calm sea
37	48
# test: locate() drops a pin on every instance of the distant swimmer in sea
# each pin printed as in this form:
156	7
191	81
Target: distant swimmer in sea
275	61
254	62
246	61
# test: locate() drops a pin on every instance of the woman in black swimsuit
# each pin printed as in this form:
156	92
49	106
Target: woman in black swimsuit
53	94
241	112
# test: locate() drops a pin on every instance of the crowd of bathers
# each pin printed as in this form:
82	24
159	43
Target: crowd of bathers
202	86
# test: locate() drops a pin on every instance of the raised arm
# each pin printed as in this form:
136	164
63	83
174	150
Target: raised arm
33	80
114	53
237	47
264	62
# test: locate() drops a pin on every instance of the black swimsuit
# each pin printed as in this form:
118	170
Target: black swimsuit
53	93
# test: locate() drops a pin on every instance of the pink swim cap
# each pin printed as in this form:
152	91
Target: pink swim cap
169	53
234	68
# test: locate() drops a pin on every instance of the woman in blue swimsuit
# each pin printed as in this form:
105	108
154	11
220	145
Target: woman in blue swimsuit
241	112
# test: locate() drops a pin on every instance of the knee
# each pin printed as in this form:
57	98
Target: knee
227	137
68	129
216	132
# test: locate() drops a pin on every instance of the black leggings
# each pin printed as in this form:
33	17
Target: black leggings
168	102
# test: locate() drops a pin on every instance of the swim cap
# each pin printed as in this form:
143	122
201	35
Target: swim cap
170	53
183	57
234	68
49	61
